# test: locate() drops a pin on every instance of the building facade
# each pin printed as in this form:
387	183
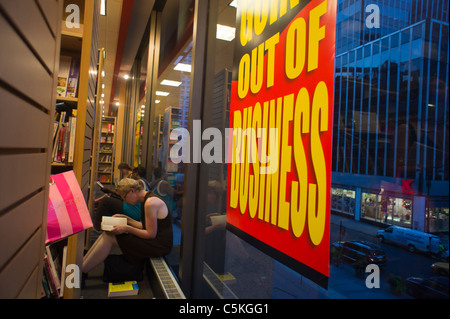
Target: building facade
390	143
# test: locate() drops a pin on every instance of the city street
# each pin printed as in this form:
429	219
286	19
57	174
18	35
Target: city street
399	260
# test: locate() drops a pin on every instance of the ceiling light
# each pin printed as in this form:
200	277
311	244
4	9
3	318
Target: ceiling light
103	7
103	86
171	83
117	103
161	93
225	33
103	73
183	67
157	101
233	3
126	77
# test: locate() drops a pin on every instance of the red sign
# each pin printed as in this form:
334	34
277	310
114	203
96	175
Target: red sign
281	114
407	186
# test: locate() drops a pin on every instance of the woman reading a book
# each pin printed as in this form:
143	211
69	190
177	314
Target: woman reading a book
151	237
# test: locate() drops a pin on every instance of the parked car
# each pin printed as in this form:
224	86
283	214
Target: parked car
414	240
429	288
353	251
440	269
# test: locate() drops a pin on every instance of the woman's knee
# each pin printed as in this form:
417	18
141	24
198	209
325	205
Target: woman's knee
111	238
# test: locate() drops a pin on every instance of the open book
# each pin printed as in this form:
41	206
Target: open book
108	223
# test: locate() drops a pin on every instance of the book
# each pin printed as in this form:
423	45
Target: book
120	289
45	286
220	219
53	263
72	82
50	280
73	128
63	75
108	223
62	132
63	271
56	141
65	151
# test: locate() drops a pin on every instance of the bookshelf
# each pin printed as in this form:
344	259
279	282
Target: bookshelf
30	31
106	151
172	118
75	108
157	137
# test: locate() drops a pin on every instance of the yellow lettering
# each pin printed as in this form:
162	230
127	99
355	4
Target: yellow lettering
246	22
316	33
263	152
319	121
285	166
254	179
299	190
270	47
257	69
243	76
246	137
295	48
261	14
235	166
273	178
273	11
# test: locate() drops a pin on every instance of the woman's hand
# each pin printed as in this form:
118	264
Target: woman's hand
120	229
130	221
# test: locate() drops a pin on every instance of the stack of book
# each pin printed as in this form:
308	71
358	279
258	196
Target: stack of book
121	289
106	159
64	139
69	71
54	272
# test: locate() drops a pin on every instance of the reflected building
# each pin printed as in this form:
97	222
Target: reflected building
390	141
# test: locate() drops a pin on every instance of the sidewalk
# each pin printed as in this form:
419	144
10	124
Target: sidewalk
355	225
343	284
369	229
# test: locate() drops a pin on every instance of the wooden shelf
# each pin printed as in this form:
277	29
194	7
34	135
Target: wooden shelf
61	164
67	99
74	34
107	130
80	43
71	43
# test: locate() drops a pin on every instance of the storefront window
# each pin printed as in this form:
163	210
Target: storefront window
386	209
388	158
438	219
377	144
343	201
